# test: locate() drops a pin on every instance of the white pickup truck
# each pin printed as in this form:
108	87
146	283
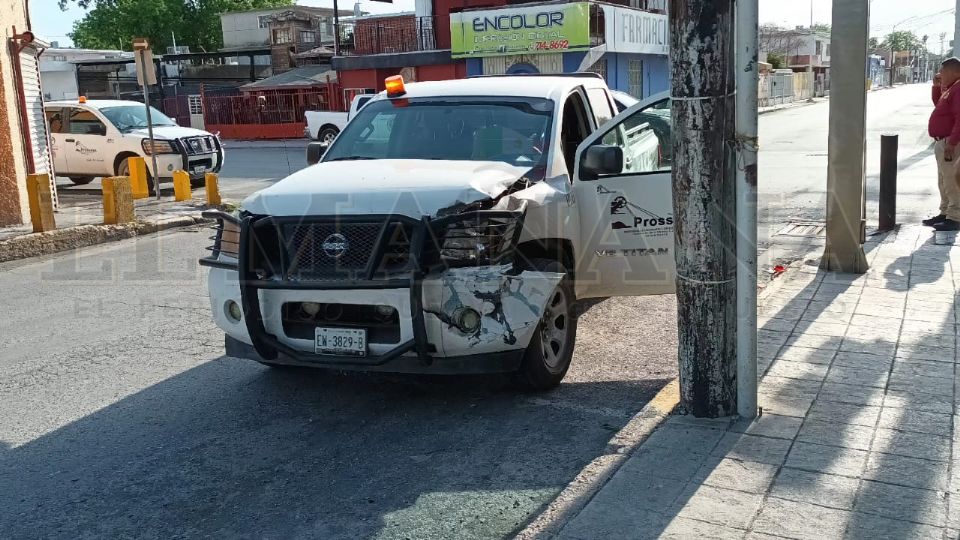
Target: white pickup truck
94	138
451	227
324	126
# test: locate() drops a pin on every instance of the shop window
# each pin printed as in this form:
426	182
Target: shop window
263	21
635	78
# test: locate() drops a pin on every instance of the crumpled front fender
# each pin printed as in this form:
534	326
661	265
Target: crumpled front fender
510	307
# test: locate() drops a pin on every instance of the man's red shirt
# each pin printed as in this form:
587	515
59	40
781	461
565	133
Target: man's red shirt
945	119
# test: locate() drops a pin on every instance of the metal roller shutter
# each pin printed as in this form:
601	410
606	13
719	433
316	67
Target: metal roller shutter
36	122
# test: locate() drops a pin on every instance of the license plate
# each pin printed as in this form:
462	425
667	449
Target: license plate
199	170
341	341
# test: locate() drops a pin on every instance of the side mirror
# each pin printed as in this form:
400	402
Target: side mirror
601	159
315	152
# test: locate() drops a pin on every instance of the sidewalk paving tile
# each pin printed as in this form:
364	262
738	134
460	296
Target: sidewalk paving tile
664	462
752	448
902	503
681	528
864	360
844	413
928	368
919	421
798	370
859	376
736	474
717	505
921	401
907	471
791	519
769	425
821	328
854	394
827	459
785	405
872	527
874	346
816	488
831	434
921	384
691	439
911	444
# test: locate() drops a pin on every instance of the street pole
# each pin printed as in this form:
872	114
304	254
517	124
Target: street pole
847	139
704	203
336	28
746	137
153	153
956	30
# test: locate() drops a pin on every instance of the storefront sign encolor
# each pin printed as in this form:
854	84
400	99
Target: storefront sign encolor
521	30
635	31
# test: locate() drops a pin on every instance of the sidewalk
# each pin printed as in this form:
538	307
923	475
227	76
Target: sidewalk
80	223
856	439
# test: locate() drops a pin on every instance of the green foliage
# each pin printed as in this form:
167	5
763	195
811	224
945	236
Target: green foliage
874	43
822	28
776	60
114	23
902	40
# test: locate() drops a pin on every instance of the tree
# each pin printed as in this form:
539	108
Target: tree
114	23
902	40
874	43
776	60
821	28
779	41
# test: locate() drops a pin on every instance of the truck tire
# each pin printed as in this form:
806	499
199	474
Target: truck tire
548	355
327	134
123	169
81	180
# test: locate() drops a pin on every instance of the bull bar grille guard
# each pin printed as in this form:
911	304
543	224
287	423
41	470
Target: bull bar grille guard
424	238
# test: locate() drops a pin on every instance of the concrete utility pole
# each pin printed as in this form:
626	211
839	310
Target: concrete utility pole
847	139
704	201
746	137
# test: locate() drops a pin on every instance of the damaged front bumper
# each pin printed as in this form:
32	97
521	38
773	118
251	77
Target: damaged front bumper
425	336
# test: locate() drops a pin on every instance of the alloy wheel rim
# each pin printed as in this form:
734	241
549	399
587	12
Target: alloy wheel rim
553	329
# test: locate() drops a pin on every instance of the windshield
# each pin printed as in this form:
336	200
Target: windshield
513	130
129	117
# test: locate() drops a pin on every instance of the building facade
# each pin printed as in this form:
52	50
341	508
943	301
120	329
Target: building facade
24	144
446	39
58	69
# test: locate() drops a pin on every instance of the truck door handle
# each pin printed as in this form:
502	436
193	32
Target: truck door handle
69	140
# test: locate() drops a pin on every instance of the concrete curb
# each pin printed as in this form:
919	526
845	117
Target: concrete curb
595	475
46	243
792	105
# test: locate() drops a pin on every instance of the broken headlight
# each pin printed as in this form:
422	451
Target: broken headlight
478	238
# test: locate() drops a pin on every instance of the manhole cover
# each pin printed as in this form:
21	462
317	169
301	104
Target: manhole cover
811	229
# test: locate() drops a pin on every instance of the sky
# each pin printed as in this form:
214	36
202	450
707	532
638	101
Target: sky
930	17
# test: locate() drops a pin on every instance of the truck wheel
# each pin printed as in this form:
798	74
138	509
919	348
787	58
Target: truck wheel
548	355
327	134
81	180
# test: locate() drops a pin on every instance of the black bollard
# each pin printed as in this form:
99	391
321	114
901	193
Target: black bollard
888	182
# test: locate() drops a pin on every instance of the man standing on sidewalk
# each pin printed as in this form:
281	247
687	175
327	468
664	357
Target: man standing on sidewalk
944	127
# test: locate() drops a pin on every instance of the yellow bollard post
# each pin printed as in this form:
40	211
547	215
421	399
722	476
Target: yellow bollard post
41	202
212	189
138	178
117	200
181	186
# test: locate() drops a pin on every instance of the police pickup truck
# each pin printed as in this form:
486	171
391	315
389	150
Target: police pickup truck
450	228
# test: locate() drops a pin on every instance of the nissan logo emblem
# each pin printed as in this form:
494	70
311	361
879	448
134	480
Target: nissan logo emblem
335	245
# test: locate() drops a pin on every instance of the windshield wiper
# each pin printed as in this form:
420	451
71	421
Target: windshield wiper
351	158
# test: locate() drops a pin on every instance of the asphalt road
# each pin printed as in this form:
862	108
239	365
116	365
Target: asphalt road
793	166
122	418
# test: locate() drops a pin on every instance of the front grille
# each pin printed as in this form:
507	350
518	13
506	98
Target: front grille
321	251
303	250
198	145
383	328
